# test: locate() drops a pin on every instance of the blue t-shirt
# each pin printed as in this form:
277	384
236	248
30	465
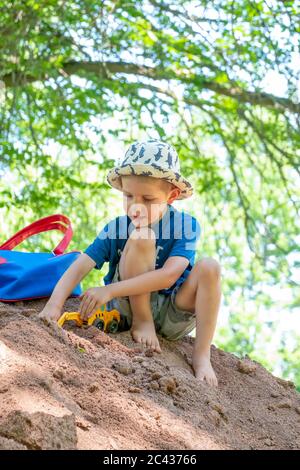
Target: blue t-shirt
177	234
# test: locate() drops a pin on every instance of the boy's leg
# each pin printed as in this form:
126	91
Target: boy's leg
138	257
201	293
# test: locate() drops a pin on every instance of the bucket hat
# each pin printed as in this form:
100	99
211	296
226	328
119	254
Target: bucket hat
151	158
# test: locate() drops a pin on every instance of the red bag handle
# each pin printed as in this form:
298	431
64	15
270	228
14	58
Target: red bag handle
51	222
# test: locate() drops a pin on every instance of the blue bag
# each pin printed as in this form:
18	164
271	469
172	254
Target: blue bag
25	275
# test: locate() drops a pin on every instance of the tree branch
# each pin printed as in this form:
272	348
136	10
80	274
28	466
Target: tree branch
101	68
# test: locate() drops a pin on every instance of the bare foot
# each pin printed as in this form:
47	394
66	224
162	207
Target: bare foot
203	370
144	333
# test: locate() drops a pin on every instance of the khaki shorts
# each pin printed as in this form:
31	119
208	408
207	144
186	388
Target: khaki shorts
170	321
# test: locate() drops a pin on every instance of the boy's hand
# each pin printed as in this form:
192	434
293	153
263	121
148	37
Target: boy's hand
50	313
92	299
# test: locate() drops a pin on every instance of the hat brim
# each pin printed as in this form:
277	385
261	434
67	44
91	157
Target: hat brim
113	177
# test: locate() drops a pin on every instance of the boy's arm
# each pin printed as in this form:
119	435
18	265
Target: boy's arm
155	280
71	277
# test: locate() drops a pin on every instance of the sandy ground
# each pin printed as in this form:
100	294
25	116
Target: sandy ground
78	388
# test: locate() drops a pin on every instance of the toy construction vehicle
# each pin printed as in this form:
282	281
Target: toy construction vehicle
107	321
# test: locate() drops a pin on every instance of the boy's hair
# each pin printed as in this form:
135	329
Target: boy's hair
165	185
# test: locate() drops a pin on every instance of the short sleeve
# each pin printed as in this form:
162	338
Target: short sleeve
186	237
99	249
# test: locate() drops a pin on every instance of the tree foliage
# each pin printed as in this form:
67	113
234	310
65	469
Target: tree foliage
193	73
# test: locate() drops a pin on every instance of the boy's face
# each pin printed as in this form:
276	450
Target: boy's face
145	199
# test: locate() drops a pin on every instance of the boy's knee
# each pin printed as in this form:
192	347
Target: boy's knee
144	247
209	268
142	238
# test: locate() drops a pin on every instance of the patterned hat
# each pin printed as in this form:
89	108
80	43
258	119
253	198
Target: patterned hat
151	158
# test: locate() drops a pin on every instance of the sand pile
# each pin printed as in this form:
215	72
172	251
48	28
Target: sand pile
82	389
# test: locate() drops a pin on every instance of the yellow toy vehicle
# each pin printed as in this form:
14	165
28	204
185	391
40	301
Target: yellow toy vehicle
103	319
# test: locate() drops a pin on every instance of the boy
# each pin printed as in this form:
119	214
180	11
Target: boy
152	279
